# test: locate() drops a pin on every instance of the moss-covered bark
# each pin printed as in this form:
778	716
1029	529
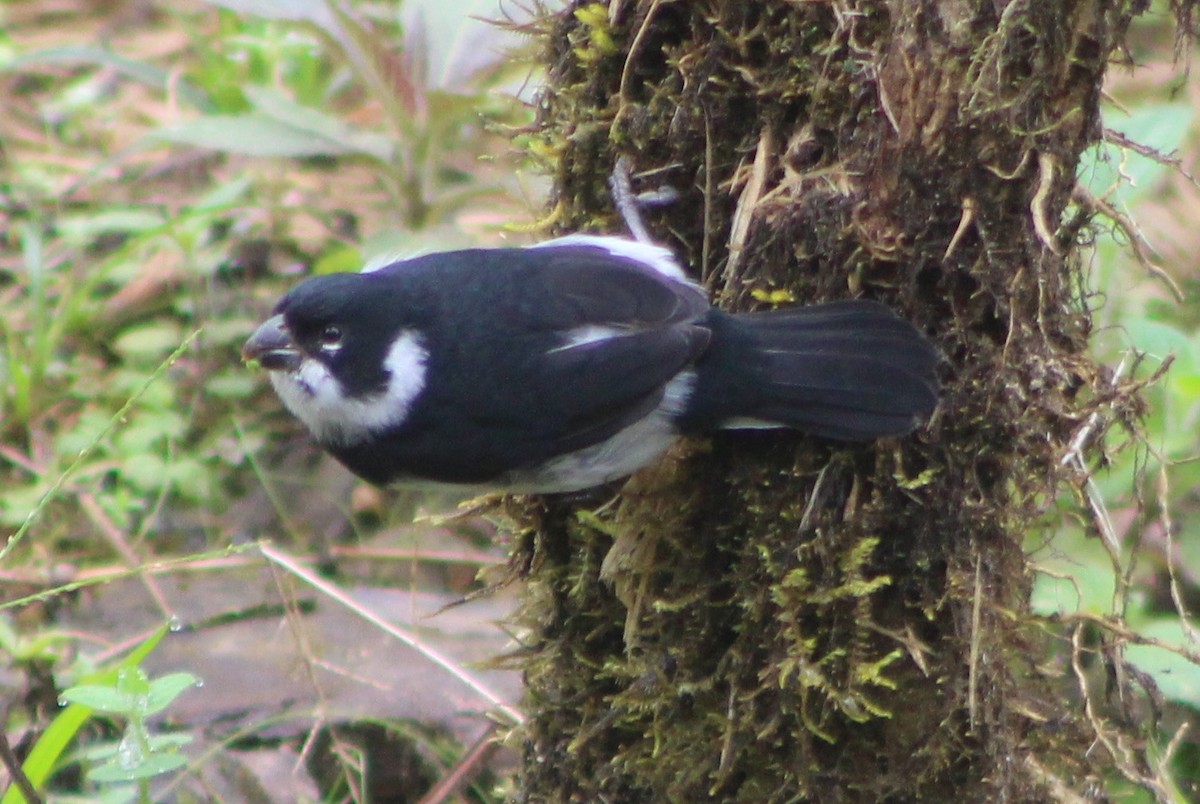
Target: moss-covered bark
780	619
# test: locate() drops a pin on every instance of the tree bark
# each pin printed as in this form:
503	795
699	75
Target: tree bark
765	617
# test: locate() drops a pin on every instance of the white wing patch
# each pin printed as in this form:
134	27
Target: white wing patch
677	393
386	258
651	255
318	399
589	333
638	445
750	423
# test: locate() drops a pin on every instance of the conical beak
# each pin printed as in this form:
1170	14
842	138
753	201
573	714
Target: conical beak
271	345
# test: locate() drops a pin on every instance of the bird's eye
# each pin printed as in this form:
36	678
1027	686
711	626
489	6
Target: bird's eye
331	337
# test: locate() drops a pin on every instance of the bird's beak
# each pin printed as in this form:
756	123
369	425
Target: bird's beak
271	345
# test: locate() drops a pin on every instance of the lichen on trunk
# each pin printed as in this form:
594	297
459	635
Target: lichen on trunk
765	617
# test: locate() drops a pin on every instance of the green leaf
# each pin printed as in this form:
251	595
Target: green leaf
278	127
1159	339
168	742
223	196
67	723
165	689
133	681
102	699
1087	584
229	332
190	478
148	343
1178	678
82	229
16	503
88	428
1107	166
231	385
143	72
149	430
453	42
343	259
1187	385
250	135
146	471
274	105
152	765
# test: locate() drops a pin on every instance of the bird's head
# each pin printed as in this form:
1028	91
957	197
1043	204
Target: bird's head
341	357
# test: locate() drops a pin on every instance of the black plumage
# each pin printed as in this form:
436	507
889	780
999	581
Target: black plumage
846	370
557	367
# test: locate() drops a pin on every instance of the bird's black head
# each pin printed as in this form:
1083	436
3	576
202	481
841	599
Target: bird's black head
341	320
342	356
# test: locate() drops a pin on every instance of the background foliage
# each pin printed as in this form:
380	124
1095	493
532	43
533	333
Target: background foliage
168	173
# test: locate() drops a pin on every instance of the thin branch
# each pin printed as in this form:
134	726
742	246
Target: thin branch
1082	195
747	203
1173	162
15	772
466	769
513	715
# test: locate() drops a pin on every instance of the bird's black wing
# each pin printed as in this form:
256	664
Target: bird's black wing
569	395
560	349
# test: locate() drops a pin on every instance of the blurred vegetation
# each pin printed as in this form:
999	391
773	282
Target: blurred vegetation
168	171
1119	573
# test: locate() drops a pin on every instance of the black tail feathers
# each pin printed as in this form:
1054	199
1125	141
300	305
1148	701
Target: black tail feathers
850	370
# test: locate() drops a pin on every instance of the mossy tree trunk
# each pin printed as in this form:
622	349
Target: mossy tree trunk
764	617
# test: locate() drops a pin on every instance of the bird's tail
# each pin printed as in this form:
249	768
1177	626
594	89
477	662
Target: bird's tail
849	370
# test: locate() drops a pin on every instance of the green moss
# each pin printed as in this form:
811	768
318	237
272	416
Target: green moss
767	618
596	38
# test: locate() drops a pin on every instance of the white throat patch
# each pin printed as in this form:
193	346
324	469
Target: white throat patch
318	399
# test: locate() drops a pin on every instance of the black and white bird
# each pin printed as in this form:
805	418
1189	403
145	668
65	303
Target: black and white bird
569	364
